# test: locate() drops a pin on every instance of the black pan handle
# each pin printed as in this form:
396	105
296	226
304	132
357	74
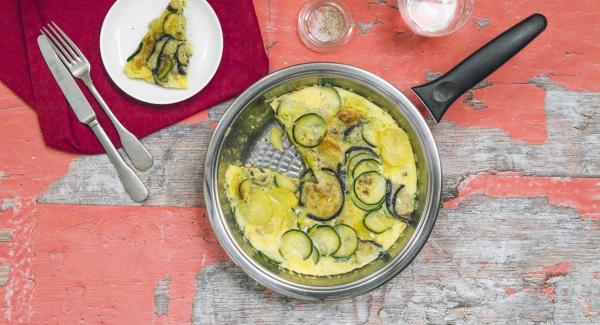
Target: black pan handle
439	94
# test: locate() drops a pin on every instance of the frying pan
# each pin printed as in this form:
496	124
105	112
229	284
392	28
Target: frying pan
242	136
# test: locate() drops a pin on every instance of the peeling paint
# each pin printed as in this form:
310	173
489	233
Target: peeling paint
23	180
119	248
582	194
522	117
477	104
549	292
364	28
482	22
195	119
5	235
393	4
546	83
559	269
4	270
432	75
108	259
162	296
270	45
7	204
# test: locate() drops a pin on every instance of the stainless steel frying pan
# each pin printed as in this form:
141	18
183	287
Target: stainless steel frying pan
242	136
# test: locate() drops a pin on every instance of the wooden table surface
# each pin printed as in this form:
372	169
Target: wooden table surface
517	240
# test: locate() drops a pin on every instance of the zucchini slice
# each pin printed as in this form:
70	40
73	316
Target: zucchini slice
170	48
370	187
171	8
377	221
349	241
164	68
315	256
366	165
244	189
355	150
403	203
358	158
323	200
295	244
182	55
258	208
139	48
261	178
322	100
308	176
325	239
173	25
309	130
286	183
156	51
330	101
390	202
175	6
365	207
368	132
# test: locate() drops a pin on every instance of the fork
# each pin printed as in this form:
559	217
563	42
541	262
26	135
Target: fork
80	68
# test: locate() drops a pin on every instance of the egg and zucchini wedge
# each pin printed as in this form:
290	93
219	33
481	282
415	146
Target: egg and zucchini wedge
162	56
353	202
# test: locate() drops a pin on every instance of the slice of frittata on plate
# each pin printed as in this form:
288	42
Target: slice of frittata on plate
163	54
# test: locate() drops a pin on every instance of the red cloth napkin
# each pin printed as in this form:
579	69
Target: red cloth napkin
23	69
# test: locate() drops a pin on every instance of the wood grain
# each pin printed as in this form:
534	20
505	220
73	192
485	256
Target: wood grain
162	296
512	248
5	235
175	179
572	149
4	269
488	261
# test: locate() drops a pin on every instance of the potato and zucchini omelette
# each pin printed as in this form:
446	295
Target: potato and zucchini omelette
162	56
355	198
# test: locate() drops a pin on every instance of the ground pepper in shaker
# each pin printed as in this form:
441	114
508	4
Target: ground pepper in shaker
324	26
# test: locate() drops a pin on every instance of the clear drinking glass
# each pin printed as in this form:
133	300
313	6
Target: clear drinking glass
434	18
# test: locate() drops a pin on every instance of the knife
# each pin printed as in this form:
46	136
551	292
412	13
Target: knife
85	114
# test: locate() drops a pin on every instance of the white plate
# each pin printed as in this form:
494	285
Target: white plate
125	25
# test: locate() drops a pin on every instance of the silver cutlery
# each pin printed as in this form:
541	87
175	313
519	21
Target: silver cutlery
80	68
85	114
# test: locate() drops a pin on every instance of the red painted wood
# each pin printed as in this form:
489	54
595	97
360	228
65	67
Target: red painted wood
89	263
582	194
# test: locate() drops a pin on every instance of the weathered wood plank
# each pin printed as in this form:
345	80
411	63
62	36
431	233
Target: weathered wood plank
6	203
175	178
5	235
490	260
4	269
162	296
572	149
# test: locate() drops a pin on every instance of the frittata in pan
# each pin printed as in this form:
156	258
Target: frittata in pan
355	199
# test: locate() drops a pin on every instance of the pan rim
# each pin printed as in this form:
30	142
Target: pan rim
376	278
